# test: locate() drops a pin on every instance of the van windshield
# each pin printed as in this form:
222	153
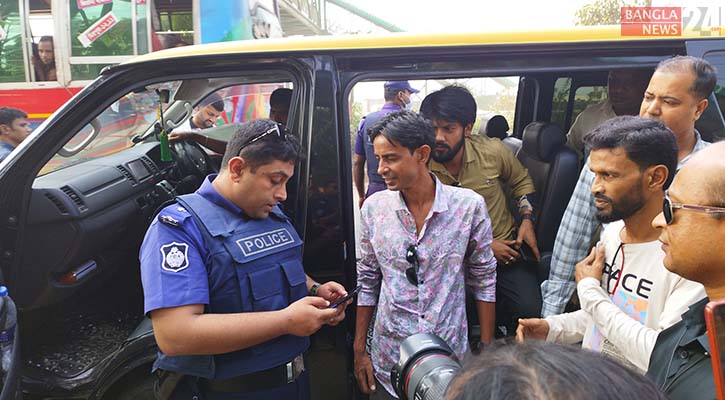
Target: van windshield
112	130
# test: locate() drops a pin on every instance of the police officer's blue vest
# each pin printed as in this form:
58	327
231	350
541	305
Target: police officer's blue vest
253	266
372	162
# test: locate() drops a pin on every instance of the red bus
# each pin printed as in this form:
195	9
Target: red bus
50	49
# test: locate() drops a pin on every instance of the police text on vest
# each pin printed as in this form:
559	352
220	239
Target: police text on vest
265	241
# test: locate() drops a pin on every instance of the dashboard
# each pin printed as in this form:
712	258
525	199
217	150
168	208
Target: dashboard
87	221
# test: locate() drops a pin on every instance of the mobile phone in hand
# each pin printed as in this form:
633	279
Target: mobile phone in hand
527	254
350	295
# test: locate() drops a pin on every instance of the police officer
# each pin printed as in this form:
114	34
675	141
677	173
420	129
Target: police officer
223	281
397	96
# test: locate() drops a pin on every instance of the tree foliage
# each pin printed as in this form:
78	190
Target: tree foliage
605	12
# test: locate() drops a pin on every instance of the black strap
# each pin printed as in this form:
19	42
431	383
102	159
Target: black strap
256	381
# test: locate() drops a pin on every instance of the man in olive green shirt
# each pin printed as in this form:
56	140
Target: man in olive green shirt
485	165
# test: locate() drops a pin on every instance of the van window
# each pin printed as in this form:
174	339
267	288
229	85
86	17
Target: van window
494	96
111	131
244	103
559	103
584	96
717	59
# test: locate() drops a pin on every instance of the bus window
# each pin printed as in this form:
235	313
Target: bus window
142	39
99	29
172	24
42	54
12	66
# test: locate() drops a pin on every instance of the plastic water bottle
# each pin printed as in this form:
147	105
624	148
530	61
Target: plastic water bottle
8	319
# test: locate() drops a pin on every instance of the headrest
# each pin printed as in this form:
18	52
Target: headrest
497	127
541	140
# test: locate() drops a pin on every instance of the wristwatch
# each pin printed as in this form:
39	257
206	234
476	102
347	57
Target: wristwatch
314	289
528	216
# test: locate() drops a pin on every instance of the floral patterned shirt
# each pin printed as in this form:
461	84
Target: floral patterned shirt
454	253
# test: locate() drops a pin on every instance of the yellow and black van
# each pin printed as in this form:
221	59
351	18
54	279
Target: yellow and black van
78	194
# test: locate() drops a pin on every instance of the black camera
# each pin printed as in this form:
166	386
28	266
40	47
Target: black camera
425	368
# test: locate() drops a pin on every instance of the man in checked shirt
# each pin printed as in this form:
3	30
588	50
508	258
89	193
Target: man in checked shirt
677	95
423	244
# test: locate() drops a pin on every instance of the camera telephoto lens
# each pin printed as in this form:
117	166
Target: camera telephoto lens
425	368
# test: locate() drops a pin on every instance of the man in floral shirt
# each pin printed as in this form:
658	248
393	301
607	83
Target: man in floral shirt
423	244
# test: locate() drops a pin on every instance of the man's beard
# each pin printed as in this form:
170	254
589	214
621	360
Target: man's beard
448	155
626	207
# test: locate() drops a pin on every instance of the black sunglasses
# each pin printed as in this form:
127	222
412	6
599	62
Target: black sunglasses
411	255
668	209
278	130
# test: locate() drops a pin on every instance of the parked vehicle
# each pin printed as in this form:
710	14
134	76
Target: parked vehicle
79	193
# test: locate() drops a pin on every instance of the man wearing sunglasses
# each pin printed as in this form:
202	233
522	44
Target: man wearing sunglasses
223	281
626	296
423	244
692	232
676	95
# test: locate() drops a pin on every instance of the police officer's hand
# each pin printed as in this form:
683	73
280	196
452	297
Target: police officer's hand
306	315
364	372
331	291
341	315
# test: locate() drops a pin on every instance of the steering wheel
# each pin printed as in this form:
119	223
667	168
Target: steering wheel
192	159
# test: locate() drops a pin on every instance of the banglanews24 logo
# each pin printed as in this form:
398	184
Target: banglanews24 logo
671	21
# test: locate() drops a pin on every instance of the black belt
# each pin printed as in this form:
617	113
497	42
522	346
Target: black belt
262	380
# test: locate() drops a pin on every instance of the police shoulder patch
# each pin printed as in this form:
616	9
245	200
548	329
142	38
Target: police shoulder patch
169	220
175	256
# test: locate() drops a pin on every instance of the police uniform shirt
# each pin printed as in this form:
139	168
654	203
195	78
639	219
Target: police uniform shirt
174	258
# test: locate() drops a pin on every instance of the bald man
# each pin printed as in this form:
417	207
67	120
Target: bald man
692	225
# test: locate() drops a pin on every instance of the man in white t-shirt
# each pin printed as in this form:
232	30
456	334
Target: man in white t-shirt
627	297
